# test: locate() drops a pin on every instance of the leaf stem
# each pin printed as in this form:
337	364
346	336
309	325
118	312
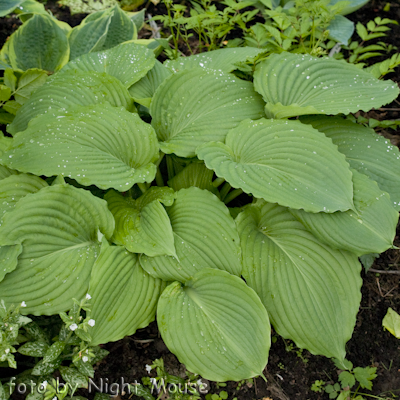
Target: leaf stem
159	178
232	195
225	190
218	182
143	187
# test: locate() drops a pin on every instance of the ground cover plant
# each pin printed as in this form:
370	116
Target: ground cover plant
148	156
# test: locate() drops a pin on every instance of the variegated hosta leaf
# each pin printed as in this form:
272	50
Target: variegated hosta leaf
121	29
283	162
96	145
205	236
124	297
222	59
195	174
311	292
216	325
14	187
9	259
59	228
196	106
75	88
365	151
370	228
39	43
128	62
144	90
88	36
298	84
143	225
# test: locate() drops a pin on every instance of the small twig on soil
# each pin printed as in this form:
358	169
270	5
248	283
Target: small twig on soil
379	287
388	109
379	271
142	341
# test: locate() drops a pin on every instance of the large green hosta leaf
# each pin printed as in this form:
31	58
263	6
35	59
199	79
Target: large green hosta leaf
39	43
71	89
371	228
283	162
144	90
5	172
96	145
298	84
124	297
128	62
216	325
311	292
367	152
59	228
222	59
9	259
204	236
195	174
196	106
143	225
14	187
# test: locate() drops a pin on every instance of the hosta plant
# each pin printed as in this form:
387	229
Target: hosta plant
133	207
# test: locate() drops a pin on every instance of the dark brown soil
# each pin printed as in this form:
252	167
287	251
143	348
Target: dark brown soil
290	374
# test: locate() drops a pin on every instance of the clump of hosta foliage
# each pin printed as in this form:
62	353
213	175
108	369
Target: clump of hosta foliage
138	213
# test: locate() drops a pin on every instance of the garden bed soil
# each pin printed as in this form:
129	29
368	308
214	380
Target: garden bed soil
289	373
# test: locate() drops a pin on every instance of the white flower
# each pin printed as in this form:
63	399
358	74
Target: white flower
6	351
23	304
88	296
148	368
54	398
73	327
91	322
85	359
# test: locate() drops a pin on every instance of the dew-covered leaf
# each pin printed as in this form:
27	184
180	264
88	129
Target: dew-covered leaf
96	145
9	259
298	84
197	106
311	292
124	297
8	6
59	228
128	62
205	235
365	151
369	228
39	43
144	90
283	162
222	59
14	187
66	90
216	325
143	225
